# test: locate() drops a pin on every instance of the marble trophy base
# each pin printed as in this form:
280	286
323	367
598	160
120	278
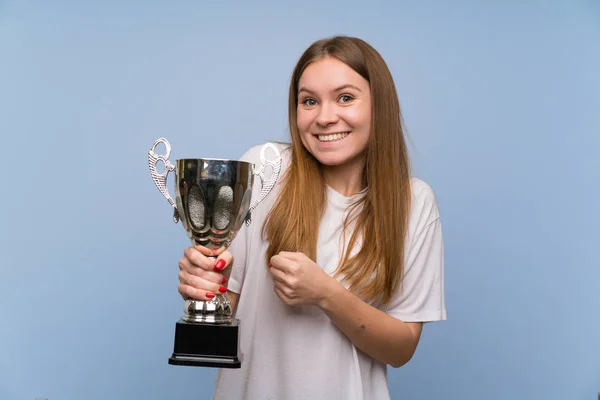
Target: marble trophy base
199	344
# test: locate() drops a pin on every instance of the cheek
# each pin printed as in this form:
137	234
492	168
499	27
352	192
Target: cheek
303	121
359	118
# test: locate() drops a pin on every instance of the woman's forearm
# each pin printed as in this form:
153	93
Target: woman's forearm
374	332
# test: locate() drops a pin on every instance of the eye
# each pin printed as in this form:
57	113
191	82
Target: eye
309	102
346	98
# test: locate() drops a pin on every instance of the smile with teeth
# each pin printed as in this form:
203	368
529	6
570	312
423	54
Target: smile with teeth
332	137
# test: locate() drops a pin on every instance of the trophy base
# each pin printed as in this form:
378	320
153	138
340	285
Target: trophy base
207	345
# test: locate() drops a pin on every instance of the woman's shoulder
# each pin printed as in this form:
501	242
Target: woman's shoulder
420	189
424	205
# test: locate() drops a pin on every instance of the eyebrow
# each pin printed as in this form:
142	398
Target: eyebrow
337	89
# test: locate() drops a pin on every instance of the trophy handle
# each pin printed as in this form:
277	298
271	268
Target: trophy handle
267	184
160	180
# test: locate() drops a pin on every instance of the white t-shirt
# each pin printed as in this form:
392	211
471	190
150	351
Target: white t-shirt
293	353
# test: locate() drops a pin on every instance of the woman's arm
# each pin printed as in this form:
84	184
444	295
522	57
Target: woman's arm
374	332
297	280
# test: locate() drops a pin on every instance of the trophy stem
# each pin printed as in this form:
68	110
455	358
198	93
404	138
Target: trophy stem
215	311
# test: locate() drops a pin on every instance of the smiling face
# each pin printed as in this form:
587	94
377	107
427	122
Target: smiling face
334	113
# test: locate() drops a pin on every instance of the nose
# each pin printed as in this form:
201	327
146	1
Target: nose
327	115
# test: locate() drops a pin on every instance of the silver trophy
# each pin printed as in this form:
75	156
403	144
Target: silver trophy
213	198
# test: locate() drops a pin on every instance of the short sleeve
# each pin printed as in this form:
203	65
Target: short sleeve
239	245
248	239
238	269
420	297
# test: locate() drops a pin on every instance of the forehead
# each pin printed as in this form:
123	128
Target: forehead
329	73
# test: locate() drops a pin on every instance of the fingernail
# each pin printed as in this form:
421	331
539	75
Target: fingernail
210	295
222	289
224	280
220	265
270	265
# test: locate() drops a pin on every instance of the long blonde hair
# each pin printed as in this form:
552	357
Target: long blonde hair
381	224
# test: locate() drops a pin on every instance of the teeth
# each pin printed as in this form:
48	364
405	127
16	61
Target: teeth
331	138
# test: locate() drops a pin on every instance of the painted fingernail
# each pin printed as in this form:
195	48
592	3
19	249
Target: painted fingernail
222	289
220	265
210	295
224	280
270	265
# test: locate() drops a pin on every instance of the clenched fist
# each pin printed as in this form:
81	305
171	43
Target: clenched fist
297	280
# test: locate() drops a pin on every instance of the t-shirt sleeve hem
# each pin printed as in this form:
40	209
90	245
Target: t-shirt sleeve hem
424	316
234	286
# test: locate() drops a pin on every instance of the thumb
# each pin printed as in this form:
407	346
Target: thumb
224	260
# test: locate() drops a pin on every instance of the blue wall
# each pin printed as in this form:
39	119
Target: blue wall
502	102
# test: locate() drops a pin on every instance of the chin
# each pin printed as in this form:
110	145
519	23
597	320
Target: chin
333	154
333	160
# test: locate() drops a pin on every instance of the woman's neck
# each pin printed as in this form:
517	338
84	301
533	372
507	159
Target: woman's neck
346	179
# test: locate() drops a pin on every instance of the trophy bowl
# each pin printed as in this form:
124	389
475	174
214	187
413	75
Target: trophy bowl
213	199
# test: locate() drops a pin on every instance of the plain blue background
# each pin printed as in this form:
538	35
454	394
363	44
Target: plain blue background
502	104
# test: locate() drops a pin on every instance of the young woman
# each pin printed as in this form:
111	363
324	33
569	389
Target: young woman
343	261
